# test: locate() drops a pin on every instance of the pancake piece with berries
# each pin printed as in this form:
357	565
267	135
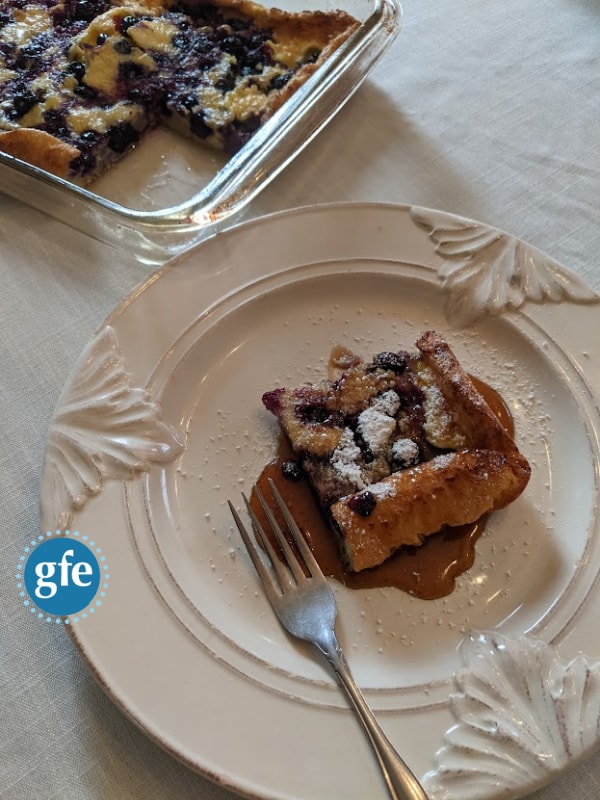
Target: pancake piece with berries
399	447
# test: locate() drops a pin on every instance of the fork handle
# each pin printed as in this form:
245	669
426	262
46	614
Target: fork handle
400	781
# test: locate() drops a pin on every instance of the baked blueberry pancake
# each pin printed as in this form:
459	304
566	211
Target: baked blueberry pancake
399	447
82	80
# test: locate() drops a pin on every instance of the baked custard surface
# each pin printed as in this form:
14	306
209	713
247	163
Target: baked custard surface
81	81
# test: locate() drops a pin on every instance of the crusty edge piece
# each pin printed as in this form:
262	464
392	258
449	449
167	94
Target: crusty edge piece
327	29
453	489
40	149
328	22
276	99
476	420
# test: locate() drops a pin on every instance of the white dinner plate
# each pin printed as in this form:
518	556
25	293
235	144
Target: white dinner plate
161	423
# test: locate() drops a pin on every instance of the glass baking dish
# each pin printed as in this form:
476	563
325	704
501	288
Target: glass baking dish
170	192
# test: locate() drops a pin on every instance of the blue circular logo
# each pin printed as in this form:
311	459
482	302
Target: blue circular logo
62	576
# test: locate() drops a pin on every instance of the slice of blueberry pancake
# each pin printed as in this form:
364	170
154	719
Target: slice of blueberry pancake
244	70
82	80
399	447
52	112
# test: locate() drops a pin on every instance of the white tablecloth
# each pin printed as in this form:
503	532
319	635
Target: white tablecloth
488	110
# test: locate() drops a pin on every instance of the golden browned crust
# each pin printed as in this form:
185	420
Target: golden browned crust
453	489
319	23
486	473
40	149
476	421
299	78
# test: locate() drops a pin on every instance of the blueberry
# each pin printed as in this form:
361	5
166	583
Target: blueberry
311	56
122	136
90	137
363	503
279	81
86	92
136	95
85	10
225	84
313	413
22	103
127	22
364	447
201	43
77	69
395	362
199	127
256	40
189	101
122	47
255	58
232	45
272	400
55	123
291	470
31	54
128	70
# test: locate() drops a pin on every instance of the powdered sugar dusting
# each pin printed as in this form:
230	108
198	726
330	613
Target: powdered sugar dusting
440	428
405	452
387	403
383	489
376	424
443	461
345	459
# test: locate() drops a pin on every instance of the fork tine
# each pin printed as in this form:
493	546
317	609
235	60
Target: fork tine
273	592
297	535
290	556
283	572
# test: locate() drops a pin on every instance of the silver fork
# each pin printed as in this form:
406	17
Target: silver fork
305	606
